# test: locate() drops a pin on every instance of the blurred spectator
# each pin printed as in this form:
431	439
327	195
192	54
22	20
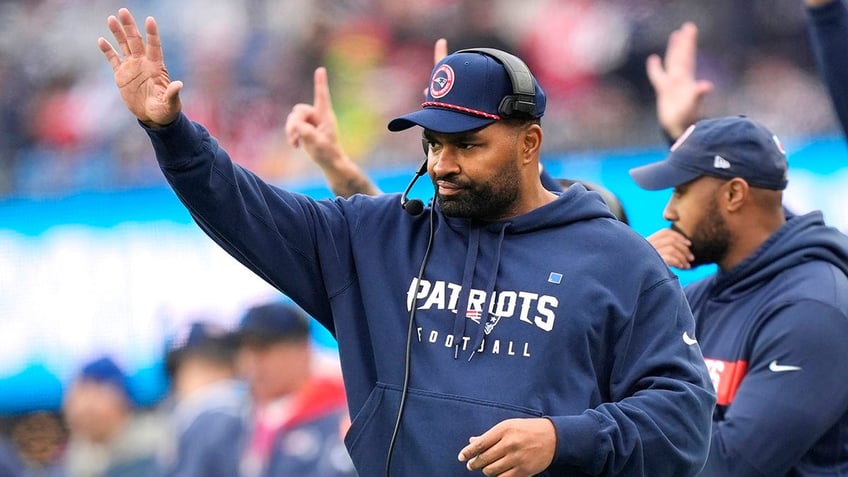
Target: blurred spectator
109	437
205	404
40	439
297	411
10	461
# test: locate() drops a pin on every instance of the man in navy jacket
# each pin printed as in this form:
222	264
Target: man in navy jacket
773	321
205	404
503	328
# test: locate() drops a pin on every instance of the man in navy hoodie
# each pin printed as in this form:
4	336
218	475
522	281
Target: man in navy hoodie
205	404
773	321
503	328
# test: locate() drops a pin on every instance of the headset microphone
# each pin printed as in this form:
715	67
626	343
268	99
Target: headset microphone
413	206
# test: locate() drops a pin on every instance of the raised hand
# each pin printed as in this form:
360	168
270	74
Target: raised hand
679	94
140	72
512	448
673	247
314	126
440	50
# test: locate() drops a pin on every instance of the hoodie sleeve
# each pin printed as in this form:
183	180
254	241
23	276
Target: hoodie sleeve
657	420
795	391
253	221
828	30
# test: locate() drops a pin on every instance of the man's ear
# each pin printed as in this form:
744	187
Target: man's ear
735	193
532	141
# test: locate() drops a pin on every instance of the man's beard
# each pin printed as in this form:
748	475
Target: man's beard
710	239
491	200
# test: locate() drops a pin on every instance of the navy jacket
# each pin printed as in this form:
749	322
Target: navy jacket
774	332
562	312
307	442
207	427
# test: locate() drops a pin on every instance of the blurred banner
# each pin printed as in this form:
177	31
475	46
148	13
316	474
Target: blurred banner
117	273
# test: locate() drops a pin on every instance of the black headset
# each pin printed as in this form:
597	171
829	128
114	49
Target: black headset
522	101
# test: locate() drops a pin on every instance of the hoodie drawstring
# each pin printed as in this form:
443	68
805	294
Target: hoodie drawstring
487	325
467	279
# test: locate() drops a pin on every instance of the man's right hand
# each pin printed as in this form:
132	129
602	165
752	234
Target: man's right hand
140	75
673	247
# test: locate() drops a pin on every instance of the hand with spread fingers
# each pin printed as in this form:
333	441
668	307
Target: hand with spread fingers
679	93
140	72
512	448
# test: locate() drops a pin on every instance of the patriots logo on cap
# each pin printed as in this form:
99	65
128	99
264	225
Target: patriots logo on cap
442	81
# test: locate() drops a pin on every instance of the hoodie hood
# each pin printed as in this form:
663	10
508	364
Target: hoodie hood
802	238
575	204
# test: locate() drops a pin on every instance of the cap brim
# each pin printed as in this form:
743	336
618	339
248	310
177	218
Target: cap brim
440	121
662	175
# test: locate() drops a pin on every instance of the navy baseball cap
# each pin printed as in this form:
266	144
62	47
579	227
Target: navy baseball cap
465	93
273	322
104	370
726	147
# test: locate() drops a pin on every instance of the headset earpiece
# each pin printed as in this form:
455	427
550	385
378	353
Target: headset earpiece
523	100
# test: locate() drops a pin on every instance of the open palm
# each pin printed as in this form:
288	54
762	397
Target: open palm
140	72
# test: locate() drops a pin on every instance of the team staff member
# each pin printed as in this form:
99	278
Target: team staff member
773	321
542	335
205	402
295	408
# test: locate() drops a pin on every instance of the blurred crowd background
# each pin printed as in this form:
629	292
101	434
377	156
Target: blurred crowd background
245	63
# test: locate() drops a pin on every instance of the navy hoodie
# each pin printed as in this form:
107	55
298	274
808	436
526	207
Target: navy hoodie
563	312
774	332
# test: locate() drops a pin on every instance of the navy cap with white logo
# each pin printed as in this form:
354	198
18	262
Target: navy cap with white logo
726	147
465	93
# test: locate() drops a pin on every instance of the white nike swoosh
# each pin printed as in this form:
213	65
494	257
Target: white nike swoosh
779	368
688	339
